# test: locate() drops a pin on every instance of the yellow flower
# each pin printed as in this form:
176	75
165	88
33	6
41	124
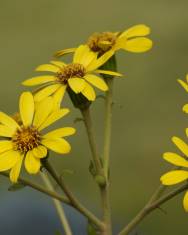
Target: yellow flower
132	40
177	176
78	76
25	141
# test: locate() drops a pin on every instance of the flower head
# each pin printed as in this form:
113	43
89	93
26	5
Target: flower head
25	141
78	76
180	175
133	40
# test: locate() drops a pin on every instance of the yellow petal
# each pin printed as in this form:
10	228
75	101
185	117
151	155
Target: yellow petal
65	51
53	117
100	61
175	159
8	159
32	164
181	145
185	108
174	177
40	151
61	132
183	84
45	92
9	122
96	81
76	84
138	45
89	92
136	31
5	145
15	171
26	108
57	145
48	68
60	64
6	131
38	80
58	97
108	72
83	55
185	202
44	108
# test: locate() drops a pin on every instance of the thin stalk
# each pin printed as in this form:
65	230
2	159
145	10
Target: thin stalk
108	125
58	205
40	189
106	211
151	207
74	201
89	128
104	189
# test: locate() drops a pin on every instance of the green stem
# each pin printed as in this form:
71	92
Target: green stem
89	128
58	205
40	189
104	187
106	210
74	201
151	207
108	125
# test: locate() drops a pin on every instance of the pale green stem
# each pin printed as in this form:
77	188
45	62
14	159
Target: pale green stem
108	125
90	133
40	189
104	189
73	200
58	205
150	207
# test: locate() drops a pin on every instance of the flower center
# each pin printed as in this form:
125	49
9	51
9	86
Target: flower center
70	71
25	139
101	42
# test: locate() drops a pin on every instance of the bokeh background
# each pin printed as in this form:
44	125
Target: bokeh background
147	109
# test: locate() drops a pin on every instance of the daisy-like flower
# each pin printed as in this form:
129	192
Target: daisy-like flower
78	76
26	142
180	175
133	40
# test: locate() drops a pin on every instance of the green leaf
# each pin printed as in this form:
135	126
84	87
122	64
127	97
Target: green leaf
16	187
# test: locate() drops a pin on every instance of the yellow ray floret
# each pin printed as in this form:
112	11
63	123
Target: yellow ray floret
80	76
26	142
180	175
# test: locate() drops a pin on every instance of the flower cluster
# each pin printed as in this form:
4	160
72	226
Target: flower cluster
22	137
180	174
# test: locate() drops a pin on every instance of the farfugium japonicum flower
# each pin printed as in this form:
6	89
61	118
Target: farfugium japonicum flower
26	142
133	40
79	76
177	176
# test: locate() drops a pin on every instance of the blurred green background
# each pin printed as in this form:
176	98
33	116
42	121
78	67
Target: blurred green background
147	109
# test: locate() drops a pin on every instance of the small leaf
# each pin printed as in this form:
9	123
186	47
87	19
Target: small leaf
16	187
